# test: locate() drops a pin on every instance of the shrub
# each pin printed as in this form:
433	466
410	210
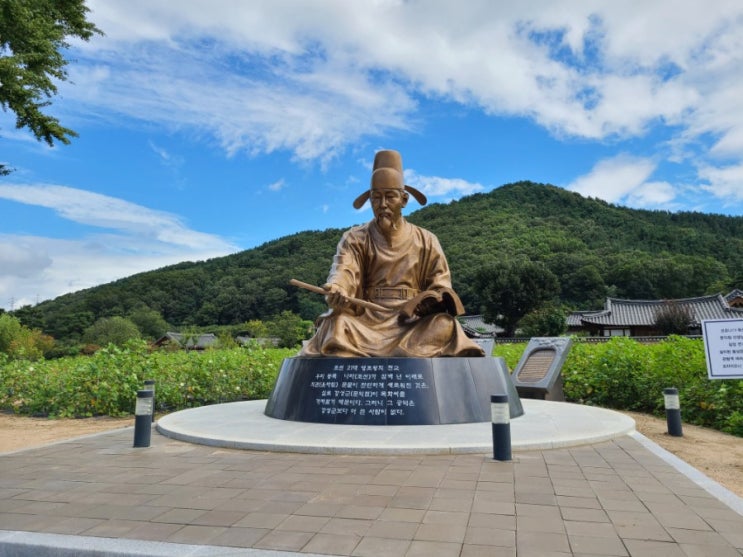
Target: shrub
150	323
106	382
290	328
606	373
510	352
111	330
627	375
620	373
19	342
546	321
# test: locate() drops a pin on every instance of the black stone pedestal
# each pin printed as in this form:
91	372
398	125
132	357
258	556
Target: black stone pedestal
390	391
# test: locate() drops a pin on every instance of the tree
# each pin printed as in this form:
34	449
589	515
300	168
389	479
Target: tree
30	316
10	328
111	330
547	321
584	287
32	34
633	275
149	322
511	289
673	319
311	307
255	328
68	325
290	328
21	342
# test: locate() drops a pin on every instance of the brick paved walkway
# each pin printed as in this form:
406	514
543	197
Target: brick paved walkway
612	498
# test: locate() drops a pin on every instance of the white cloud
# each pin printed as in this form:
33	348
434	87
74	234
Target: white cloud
332	65
312	112
278	185
435	186
167	158
312	80
71	265
614	179
19	258
652	195
103	211
132	239
725	183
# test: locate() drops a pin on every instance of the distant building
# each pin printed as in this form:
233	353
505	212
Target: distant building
261	341
475	327
637	318
189	342
735	299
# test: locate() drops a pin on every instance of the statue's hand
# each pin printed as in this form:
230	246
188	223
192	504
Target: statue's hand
423	304
429	305
336	297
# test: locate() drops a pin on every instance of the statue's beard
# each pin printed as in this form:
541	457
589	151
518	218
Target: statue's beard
386	223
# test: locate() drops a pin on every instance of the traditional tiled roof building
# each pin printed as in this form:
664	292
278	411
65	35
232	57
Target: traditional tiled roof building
475	327
638	318
189	342
735	298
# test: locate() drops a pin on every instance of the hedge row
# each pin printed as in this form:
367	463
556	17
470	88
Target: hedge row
621	373
628	375
106	382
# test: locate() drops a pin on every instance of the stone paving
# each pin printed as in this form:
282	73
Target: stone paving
610	498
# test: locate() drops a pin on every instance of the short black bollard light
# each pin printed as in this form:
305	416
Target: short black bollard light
143	419
673	411
501	417
149	385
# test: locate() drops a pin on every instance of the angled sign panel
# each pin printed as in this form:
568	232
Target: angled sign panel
723	348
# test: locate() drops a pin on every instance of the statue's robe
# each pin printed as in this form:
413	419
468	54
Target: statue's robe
390	272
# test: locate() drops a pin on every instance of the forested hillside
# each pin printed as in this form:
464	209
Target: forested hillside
593	248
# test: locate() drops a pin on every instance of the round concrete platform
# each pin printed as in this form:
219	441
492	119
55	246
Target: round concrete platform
243	425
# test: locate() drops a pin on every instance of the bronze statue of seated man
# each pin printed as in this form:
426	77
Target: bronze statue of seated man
399	267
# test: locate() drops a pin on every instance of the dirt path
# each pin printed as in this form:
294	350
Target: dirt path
717	455
19	432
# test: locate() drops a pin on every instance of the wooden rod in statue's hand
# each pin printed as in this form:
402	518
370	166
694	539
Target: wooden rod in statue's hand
319	290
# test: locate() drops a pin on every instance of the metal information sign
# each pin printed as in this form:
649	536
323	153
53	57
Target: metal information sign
723	348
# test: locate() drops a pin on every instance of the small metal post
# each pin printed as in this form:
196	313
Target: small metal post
501	418
673	411
149	385
143	419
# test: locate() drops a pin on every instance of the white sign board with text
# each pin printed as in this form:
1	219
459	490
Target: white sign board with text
723	348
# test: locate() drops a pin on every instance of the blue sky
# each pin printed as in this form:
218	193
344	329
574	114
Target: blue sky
207	128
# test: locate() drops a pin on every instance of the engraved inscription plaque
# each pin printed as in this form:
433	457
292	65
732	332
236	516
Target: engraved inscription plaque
537	365
537	375
389	391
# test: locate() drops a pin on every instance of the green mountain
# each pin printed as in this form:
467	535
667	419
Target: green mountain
594	248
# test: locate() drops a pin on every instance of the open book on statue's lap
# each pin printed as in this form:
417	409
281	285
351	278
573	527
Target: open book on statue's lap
443	300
